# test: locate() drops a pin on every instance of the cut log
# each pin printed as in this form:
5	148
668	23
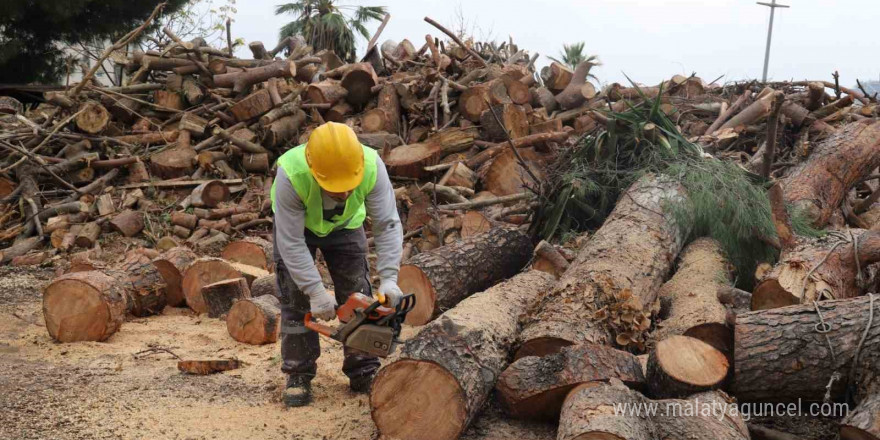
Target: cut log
816	269
556	77
689	301
147	291
459	175
754	112
168	99
548	259
442	277
592	412
514	122
220	296
173	163
105	205
474	223
769	343
339	112
410	160
819	185
255	163
451	365
573	96
193	92
84	306
615	273
253	106
171	266
265	285
473	102
199	274
180	218
208	367
505	176
93	118
326	92
128	223
359	81
681	365
209	194
88	235
280	132
252	251
255	321
535	387
241	81
542	97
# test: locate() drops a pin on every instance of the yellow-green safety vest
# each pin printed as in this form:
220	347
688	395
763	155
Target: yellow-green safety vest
294	164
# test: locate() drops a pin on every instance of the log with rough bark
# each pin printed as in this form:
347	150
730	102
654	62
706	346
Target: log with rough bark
451	365
254	105
255	321
681	365
171	265
209	194
535	387
819	184
128	223
616	272
542	97
220	296
283	130
252	251
689	301
818	268
386	115
780	356
514	122
147	291
265	285
574	94
180	218
556	77
241	81
326	92
173	163
410	160
442	277
84	306
592	412
199	274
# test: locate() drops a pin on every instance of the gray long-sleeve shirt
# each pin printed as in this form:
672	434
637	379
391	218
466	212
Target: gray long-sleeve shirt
290	213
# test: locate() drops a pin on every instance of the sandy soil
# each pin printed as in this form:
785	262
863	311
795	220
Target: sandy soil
129	387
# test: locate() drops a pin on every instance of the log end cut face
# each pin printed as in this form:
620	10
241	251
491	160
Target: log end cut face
173	279
771	294
432	407
248	324
542	346
691	361
202	273
413	280
245	253
75	310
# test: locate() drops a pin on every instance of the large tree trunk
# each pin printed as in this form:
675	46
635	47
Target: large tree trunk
171	265
255	321
535	387
820	184
148	290
591	412
834	271
616	272
690	298
252	251
199	274
780	356
450	367
410	160
681	365
442	277
84	306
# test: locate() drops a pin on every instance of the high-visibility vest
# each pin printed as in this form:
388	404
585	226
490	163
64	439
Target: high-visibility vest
294	164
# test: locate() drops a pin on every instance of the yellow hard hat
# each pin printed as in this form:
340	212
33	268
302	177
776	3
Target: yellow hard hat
335	157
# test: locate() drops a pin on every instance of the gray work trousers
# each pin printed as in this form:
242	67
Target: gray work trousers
345	252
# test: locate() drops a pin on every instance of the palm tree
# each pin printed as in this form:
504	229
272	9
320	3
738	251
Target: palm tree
573	54
325	25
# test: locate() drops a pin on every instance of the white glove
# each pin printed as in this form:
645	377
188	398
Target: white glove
323	305
391	292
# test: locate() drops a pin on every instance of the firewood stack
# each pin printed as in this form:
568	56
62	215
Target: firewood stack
180	162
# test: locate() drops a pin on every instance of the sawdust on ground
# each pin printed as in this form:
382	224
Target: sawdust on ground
129	387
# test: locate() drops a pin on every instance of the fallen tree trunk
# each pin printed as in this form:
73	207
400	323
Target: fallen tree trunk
442	277
681	365
451	366
220	296
769	343
690	298
535	387
615	272
817	269
591	411
148	290
171	266
410	160
255	321
84	306
818	185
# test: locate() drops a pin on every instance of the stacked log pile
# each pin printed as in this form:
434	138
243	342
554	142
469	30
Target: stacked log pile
179	163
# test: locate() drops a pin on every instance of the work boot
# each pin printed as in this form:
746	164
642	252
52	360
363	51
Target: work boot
298	391
361	384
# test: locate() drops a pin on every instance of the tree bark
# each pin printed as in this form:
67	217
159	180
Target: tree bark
220	296
171	266
442	277
616	272
818	185
690	298
255	321
201	273
241	81
535	387
410	160
451	365
84	306
780	356
542	97
148	291
327	91
252	251
514	123
209	194
572	96
266	285
556	77
278	133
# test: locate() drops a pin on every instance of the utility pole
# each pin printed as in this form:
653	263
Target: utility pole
772	5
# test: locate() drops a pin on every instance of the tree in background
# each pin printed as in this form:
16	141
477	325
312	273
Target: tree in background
573	54
33	33
326	25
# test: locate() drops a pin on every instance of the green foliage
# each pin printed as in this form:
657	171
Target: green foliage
724	201
326	25
32	32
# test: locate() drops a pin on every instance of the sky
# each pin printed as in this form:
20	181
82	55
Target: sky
647	40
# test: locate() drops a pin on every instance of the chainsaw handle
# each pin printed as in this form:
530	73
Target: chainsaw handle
316	326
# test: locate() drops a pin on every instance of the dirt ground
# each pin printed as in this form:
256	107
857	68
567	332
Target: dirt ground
129	387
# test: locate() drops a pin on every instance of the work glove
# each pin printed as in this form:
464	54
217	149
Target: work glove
323	305
390	293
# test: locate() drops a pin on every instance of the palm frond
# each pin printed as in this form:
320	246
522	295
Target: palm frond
291	8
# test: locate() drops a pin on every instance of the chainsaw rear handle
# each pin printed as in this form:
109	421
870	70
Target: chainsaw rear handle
316	326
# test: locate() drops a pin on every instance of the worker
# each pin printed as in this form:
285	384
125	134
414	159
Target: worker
323	191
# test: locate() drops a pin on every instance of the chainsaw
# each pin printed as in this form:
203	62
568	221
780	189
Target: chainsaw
367	325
